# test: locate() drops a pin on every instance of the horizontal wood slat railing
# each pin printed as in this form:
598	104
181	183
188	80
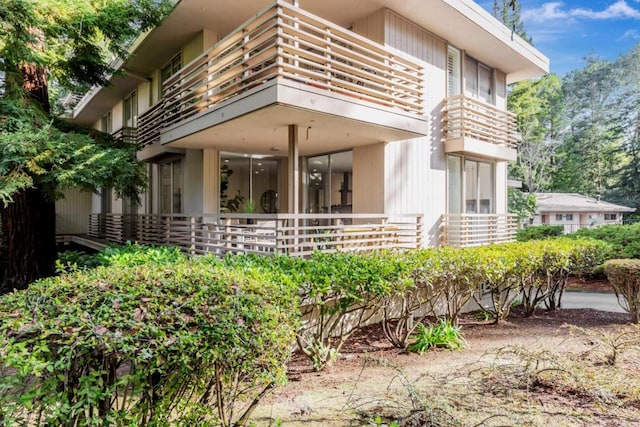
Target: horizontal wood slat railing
293	234
465	230
466	117
128	135
284	41
149	124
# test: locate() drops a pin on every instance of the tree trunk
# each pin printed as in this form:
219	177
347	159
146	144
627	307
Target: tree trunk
28	232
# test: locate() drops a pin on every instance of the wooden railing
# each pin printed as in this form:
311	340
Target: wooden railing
126	134
149	124
464	230
293	234
286	42
467	117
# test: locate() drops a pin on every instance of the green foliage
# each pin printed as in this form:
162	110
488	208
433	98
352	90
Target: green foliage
188	342
128	255
442	335
624	276
539	232
521	205
624	239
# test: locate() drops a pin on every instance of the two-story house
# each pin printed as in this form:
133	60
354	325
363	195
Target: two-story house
354	124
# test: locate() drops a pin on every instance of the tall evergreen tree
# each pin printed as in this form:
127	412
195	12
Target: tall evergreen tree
538	106
509	13
71	43
592	146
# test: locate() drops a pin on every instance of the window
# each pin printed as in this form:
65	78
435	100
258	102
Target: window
558	217
171	186
454	72
246	177
130	111
473	182
564	217
610	217
172	67
330	179
477	80
105	123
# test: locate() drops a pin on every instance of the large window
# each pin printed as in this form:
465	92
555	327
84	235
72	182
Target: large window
454	71
471	186
171	186
130	111
245	177
330	179
170	68
477	80
105	123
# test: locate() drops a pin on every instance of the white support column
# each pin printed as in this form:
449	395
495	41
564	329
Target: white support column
294	180
294	170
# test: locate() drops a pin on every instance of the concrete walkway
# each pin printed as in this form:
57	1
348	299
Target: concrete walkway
605	301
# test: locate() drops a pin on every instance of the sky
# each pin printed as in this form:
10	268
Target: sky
567	31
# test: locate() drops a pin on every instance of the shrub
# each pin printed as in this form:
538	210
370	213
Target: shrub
341	292
414	300
182	343
624	239
624	275
128	255
539	232
442	335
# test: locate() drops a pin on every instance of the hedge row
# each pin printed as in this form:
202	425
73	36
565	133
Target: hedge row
155	338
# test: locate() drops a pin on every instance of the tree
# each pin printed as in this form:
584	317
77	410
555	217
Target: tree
538	106
628	103
508	12
70	42
592	145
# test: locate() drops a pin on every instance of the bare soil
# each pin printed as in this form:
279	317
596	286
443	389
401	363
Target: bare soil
551	369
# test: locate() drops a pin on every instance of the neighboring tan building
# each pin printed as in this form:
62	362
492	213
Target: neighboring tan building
574	211
349	124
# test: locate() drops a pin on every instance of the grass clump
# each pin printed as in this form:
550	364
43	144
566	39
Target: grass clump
441	335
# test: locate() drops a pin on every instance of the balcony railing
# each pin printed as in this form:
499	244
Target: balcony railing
127	135
293	234
467	117
149	124
286	42
465	230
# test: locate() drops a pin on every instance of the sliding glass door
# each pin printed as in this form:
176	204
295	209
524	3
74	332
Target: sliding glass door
470	187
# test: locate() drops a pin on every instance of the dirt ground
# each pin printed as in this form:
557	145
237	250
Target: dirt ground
549	370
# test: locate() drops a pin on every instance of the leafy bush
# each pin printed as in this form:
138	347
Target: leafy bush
183	343
539	232
624	275
442	335
128	255
624	239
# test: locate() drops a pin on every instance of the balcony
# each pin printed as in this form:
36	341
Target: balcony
474	127
292	234
467	230
128	135
288	61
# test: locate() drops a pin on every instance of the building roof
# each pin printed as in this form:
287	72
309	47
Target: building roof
573	202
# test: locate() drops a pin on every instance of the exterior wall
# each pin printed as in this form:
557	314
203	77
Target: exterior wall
117	115
192	198
368	179
372	26
72	212
415	170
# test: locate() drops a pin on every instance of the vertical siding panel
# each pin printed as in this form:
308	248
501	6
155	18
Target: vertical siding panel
72	212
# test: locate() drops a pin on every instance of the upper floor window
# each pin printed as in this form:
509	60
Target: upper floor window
105	123
130	111
478	80
170	68
454	71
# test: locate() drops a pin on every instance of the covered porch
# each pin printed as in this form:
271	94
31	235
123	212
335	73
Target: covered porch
265	234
